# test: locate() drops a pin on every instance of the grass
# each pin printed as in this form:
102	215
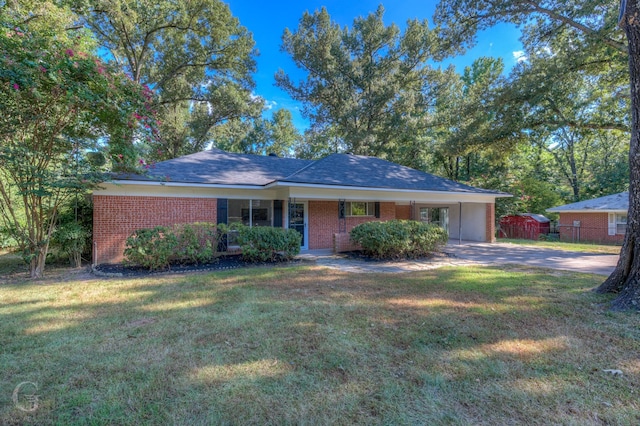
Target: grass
10	263
559	245
306	345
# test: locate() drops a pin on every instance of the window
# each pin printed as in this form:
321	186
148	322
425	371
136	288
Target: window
250	212
617	223
354	208
435	215
621	223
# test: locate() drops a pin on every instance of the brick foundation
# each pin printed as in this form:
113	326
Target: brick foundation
116	217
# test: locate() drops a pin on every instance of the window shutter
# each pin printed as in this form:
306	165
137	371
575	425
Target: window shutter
222	210
612	224
376	208
277	213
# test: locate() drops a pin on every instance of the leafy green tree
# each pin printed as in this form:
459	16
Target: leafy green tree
259	136
368	84
57	100
581	41
193	54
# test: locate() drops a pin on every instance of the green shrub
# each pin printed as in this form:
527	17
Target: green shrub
398	238
549	237
152	248
71	238
266	244
197	242
159	247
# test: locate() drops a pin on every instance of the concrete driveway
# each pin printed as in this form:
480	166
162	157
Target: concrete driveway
501	253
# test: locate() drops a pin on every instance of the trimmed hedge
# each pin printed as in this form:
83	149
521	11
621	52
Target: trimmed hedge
267	244
159	247
397	239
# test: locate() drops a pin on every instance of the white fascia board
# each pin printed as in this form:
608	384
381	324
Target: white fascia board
364	188
333	192
188	191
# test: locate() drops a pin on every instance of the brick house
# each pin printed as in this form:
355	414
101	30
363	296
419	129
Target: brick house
322	199
600	220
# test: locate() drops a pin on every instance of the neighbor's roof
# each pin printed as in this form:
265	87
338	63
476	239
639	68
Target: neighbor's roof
223	168
537	217
615	202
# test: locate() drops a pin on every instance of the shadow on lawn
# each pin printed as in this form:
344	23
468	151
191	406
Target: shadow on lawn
285	345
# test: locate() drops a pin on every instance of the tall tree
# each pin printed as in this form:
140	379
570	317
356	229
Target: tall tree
193	54
260	136
368	84
590	28
57	100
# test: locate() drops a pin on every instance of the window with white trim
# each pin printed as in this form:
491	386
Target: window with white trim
617	223
357	208
621	223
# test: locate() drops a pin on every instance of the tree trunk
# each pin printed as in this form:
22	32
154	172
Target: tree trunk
36	266
625	279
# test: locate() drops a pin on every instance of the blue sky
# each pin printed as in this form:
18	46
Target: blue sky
267	21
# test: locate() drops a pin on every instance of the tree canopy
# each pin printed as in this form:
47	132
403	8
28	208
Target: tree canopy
367	85
193	54
58	99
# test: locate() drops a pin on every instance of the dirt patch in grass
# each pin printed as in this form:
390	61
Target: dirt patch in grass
310	345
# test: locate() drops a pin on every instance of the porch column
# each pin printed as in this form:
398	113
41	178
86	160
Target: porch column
490	236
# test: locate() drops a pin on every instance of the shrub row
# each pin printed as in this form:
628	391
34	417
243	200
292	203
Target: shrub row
398	238
159	247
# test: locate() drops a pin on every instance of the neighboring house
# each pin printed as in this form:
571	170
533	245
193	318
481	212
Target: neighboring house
322	199
601	220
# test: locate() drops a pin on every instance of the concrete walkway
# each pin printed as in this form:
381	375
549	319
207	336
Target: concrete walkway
470	253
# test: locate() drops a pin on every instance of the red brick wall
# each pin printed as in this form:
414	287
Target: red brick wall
403	212
490	232
116	217
594	227
323	221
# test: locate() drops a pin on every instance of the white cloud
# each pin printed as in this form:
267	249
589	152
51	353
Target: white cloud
270	104
520	56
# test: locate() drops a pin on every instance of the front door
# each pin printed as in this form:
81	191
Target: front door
298	221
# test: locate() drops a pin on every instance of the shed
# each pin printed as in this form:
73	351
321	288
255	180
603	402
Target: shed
525	225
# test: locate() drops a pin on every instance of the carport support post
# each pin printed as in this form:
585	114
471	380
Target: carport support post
459	222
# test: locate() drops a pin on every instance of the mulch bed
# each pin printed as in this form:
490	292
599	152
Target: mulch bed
222	263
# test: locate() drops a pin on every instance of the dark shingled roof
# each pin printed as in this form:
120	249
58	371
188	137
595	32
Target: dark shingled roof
372	172
618	201
223	168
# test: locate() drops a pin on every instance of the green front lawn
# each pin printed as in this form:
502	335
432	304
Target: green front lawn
558	245
305	345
